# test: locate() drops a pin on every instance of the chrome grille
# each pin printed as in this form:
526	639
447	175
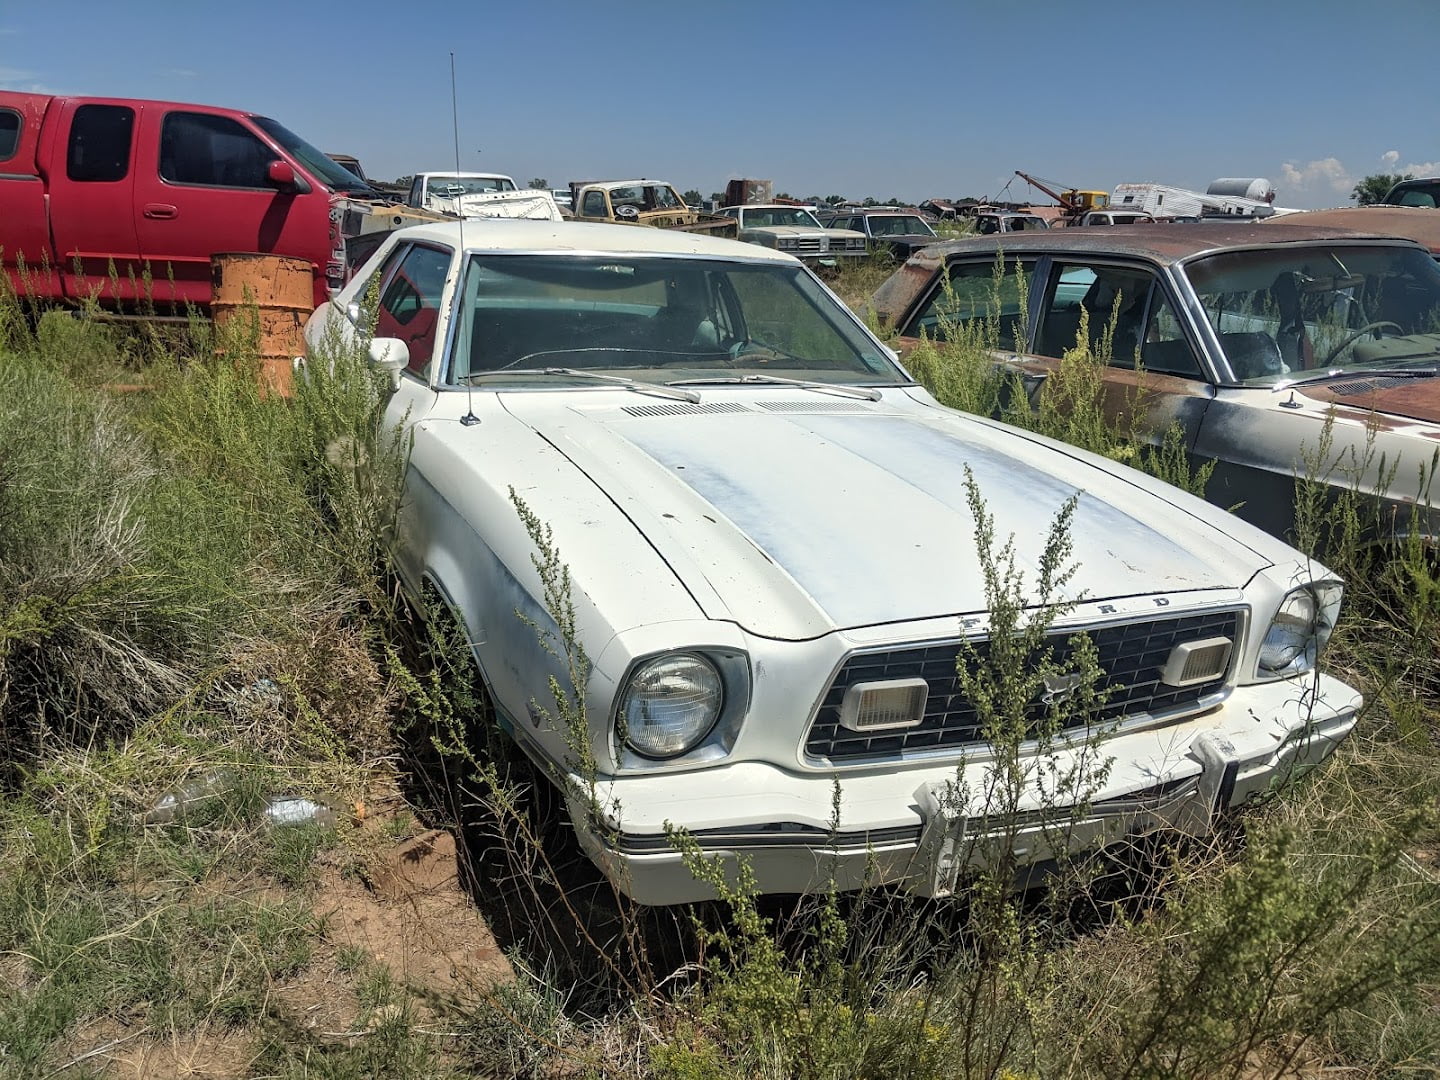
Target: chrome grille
1132	656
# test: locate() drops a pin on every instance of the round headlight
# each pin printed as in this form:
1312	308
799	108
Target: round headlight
1300	629
670	704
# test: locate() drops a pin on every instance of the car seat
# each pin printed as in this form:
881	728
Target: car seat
1253	354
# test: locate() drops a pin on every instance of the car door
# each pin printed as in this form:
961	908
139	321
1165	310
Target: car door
92	200
1124	314
202	188
595	206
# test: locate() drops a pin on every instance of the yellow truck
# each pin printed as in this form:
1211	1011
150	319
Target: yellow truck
643	202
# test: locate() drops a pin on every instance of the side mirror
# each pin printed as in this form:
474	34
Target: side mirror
281	174
391	355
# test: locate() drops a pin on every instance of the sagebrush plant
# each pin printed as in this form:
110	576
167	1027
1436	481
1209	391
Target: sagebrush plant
191	592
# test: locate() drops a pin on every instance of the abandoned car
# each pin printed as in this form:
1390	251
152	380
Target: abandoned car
794	230
898	232
1251	337
773	567
1008	221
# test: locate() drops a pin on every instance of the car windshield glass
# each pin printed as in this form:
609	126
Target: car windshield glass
770	216
646	197
899	225
1283	312
658	319
1415	193
336	177
453	186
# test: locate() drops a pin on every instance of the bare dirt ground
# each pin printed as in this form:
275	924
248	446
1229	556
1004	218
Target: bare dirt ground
412	917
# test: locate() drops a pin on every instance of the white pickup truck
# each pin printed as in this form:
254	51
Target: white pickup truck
466	194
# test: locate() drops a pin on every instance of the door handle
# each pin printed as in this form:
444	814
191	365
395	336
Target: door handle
159	210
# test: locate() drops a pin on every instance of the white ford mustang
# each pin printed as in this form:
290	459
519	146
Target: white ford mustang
773	564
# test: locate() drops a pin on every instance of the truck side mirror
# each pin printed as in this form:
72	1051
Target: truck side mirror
281	174
391	355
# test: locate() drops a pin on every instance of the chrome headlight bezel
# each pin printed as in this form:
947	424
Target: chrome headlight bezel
649	741
1299	630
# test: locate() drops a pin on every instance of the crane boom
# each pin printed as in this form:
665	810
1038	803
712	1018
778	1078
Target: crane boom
1064	202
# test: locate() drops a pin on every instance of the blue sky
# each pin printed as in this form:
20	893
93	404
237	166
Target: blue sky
912	98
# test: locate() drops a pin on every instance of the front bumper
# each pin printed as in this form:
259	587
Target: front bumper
906	825
826	258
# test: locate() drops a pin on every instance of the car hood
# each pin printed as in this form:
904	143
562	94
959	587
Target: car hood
1412	399
786	230
795	514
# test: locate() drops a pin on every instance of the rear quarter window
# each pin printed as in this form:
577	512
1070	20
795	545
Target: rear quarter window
9	133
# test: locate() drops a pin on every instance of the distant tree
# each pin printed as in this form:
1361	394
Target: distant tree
870	201
834	200
784	195
692	197
1375	187
404	181
717	196
815	200
892	201
539	182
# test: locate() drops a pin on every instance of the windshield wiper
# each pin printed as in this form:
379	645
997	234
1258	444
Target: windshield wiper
657	389
843	389
1357	373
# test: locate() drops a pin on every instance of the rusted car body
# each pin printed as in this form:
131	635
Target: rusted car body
1411	222
1249	337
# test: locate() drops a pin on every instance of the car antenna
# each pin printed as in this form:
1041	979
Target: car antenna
469	419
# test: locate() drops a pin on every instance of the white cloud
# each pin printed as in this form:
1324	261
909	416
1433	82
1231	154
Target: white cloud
1327	172
1424	168
1389	158
22	81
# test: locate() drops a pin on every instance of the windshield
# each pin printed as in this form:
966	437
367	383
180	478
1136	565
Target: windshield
765	217
1424	193
646	197
898	225
657	319
454	186
335	177
1320	307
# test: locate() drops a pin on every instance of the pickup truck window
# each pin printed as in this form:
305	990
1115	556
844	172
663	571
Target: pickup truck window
594	204
9	133
213	151
99	150
335	177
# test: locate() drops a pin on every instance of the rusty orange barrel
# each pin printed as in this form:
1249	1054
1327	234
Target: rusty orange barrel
281	291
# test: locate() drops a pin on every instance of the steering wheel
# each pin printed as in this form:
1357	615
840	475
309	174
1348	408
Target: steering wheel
1356	335
627	212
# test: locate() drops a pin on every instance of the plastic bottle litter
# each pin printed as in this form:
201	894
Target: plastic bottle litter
293	810
260	696
174	804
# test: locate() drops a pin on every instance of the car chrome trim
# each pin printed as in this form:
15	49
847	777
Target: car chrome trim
978	750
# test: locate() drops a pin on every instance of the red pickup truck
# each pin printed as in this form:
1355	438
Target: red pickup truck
125	200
